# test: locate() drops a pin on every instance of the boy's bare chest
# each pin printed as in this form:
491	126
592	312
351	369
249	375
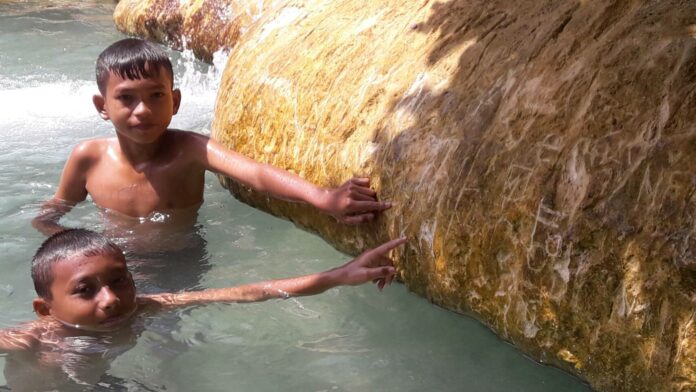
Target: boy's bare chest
142	191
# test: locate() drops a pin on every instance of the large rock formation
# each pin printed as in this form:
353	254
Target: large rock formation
541	154
204	26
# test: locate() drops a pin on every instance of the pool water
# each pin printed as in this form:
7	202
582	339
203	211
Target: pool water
347	339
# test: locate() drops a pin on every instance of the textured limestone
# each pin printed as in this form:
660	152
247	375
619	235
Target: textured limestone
205	26
541	154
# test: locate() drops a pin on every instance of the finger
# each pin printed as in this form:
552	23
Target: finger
382	261
381	284
357	219
389	279
355	195
362	181
367	206
389	245
364	190
379	273
375	260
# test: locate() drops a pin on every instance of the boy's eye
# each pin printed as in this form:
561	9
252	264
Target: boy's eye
121	281
83	291
158	94
124	97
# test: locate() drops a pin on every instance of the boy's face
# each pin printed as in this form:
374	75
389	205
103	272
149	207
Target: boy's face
140	109
92	292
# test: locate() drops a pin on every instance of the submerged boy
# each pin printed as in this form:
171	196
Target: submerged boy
86	293
148	168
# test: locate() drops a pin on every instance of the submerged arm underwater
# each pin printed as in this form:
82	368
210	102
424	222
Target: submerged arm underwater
46	221
72	189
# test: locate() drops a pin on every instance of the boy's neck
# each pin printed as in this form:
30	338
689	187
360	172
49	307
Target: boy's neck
138	153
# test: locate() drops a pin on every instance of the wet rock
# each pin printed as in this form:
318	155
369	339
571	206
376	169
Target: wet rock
541	155
203	26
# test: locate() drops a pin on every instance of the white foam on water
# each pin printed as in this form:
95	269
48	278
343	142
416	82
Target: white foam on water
198	85
35	111
43	110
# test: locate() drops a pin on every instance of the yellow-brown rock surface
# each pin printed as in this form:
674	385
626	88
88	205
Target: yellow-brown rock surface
541	155
205	26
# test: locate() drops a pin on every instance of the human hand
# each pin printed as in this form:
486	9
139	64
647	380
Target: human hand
354	202
372	265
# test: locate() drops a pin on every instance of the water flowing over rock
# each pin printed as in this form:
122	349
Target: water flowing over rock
204	26
541	155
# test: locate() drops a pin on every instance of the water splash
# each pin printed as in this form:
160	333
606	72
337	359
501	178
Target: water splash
198	83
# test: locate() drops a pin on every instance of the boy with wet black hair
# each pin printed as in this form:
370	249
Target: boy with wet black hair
148	168
84	289
82	282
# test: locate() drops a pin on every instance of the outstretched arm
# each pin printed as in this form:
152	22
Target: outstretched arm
71	190
353	202
372	265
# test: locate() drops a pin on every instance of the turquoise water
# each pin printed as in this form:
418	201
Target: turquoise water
348	339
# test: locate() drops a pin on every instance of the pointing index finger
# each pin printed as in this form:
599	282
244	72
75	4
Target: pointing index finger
389	245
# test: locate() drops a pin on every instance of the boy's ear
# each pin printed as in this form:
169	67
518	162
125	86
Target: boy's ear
176	95
99	102
41	307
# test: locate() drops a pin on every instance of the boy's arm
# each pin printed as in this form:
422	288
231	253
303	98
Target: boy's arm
46	221
72	189
372	265
353	202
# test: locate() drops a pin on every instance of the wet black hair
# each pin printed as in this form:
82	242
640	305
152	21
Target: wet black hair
129	58
64	245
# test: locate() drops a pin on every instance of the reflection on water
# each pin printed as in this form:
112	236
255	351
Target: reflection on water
347	339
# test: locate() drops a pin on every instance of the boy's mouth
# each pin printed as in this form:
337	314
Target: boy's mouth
116	320
109	324
142	126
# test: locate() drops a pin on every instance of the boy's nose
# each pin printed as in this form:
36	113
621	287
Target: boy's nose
107	299
141	108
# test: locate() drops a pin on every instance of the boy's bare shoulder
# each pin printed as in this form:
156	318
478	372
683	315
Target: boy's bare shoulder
22	337
186	137
186	144
88	151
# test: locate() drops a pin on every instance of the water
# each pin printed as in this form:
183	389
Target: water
347	339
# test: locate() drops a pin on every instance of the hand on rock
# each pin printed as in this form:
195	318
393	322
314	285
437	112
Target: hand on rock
354	202
372	265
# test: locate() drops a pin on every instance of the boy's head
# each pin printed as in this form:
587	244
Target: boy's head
82	280
136	85
132	59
